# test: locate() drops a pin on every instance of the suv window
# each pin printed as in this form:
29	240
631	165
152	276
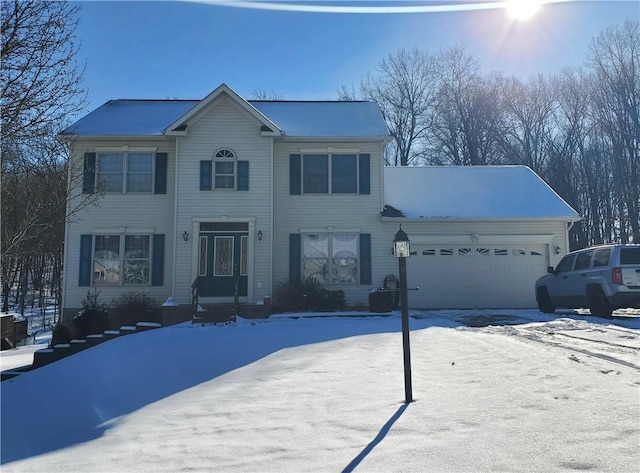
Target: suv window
565	264
583	260
629	256
602	257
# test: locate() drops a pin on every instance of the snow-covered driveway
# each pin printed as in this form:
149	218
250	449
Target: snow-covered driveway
532	393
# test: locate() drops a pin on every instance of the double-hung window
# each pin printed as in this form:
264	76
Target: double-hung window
330	258
225	171
330	173
224	162
125	172
122	259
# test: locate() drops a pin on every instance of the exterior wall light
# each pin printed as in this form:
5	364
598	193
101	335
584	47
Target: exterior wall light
259	235
185	236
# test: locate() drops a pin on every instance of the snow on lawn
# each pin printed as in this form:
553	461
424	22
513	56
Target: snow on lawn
493	390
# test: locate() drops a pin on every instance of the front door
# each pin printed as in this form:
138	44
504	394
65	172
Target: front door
223	264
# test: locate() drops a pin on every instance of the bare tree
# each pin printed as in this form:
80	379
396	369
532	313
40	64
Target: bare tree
40	79
41	90
262	94
467	112
404	90
527	110
614	59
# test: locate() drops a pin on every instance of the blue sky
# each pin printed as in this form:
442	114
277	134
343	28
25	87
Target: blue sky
185	49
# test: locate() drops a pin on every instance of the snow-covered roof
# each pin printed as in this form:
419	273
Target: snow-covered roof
470	192
325	119
321	119
130	118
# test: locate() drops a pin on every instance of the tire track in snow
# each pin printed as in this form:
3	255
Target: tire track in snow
535	335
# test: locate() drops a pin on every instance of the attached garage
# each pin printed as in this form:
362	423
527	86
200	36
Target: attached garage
467	276
480	236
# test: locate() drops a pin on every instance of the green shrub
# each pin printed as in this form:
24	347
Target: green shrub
307	295
133	307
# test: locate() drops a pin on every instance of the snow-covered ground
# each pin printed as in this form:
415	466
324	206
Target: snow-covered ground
494	391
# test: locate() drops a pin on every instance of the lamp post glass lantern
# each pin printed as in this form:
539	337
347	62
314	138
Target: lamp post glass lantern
402	251
401	246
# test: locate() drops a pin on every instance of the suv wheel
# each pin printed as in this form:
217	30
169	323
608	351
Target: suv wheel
598	303
544	301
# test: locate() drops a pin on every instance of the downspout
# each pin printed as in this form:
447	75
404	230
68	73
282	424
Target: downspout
382	176
271	225
175	221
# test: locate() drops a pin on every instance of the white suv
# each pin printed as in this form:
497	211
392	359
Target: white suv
602	278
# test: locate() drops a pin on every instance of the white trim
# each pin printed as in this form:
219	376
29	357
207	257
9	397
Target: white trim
251	230
175	218
125	149
222	219
330	150
477	219
480	239
330	230
122	231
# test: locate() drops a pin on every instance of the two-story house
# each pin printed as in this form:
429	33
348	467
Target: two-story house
248	194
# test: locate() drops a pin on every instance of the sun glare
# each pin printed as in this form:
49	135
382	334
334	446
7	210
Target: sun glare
522	9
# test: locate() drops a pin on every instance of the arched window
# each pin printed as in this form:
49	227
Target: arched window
224	161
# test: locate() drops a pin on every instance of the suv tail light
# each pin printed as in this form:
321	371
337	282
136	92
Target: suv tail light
616	275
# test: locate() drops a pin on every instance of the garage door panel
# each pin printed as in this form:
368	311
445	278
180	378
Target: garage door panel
475	276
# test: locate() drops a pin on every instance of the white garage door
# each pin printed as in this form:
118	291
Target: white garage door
475	276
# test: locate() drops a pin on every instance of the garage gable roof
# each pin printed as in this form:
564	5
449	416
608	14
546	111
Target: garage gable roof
472	192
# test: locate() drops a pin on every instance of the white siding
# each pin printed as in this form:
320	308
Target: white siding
224	125
131	211
359	212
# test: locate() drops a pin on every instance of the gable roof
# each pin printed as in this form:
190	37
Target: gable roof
335	119
472	192
293	119
181	122
130	118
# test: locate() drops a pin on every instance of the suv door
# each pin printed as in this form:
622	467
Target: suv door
558	285
577	279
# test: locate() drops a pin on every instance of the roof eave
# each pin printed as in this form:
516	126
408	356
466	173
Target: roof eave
67	137
478	219
334	138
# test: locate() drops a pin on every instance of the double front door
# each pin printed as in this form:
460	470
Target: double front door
223	263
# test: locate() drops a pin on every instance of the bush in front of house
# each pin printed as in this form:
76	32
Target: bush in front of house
60	334
133	307
94	316
307	295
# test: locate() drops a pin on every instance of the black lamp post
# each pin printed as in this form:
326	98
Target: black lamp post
402	251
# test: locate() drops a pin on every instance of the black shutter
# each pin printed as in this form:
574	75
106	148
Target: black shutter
365	258
157	263
295	169
205	175
365	174
243	175
89	174
295	266
84	272
161	173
